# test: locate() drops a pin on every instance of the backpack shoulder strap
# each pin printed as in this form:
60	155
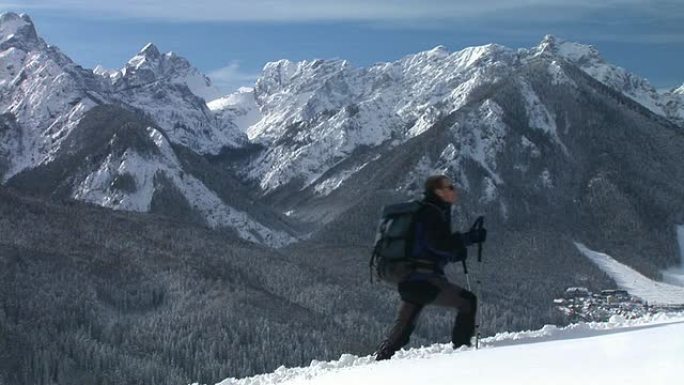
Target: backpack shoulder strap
434	206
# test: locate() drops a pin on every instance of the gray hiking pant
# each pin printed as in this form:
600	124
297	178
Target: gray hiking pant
433	291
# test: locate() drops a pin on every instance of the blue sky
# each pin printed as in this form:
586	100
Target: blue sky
231	40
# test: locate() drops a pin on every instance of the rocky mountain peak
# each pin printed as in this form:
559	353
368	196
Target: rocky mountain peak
679	90
439	51
571	51
549	44
148	57
150	65
150	51
280	74
589	60
17	30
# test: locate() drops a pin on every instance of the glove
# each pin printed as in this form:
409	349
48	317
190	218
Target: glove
475	236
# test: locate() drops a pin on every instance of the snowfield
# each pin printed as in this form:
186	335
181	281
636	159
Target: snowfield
643	351
634	282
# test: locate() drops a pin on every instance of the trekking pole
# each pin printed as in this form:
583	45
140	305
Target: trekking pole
465	271
478	225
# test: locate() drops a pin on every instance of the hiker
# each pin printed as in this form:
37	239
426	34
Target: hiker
425	283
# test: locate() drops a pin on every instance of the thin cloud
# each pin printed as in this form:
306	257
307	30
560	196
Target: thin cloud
649	39
329	10
232	77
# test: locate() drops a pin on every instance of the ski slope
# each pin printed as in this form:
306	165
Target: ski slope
634	282
644	351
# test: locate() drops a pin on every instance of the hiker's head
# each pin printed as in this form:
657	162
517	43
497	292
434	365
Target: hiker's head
440	186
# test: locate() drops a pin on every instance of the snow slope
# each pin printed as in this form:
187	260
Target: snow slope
634	282
240	108
143	169
585	353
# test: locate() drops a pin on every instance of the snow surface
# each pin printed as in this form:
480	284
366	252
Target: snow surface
240	108
485	144
539	116
634	282
620	351
559	76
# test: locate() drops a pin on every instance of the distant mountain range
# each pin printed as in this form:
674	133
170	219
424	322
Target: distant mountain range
302	133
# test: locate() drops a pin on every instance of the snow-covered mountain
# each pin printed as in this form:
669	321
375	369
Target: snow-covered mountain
673	104
47	92
619	351
313	116
174	93
128	180
47	100
43	95
316	113
590	61
669	105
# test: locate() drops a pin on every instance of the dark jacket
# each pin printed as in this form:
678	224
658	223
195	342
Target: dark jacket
434	244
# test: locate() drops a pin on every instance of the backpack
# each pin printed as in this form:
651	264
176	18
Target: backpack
392	257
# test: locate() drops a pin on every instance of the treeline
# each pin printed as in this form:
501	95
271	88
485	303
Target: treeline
88	295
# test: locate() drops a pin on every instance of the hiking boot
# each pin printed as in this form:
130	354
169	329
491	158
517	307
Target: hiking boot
459	344
463	331
385	352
